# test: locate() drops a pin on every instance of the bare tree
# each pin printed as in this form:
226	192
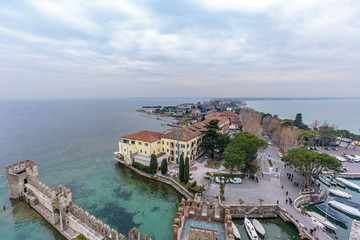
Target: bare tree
252	125
288	138
314	125
270	123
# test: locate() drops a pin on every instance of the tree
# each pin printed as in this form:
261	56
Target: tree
298	120
211	138
252	125
288	138
269	123
202	118
233	156
315	124
287	123
310	163
153	163
164	167
249	144
186	170
181	168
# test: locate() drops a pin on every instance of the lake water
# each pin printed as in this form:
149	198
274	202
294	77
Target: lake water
343	113
73	143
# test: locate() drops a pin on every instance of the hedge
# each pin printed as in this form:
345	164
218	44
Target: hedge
143	168
228	175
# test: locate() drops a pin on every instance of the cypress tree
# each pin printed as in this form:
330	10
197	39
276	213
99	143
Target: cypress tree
153	163
164	168
181	168
186	170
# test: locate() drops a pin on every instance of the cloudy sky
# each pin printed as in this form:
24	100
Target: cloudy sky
205	48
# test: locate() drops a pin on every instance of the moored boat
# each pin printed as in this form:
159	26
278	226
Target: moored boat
250	229
236	231
324	181
340	184
259	228
347	202
345	208
330	181
323	220
317	223
332	213
348	183
339	193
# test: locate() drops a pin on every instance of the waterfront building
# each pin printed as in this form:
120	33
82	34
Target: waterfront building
138	147
235	118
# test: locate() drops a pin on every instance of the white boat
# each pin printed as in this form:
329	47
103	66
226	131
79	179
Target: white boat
339	193
250	229
348	183
317	223
259	228
345	208
236	231
323	220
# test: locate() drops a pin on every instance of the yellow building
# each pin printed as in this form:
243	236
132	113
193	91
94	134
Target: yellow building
139	146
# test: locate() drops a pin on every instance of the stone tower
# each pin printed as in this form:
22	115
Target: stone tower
18	175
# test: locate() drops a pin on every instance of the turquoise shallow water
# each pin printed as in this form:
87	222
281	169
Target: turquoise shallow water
73	143
343	113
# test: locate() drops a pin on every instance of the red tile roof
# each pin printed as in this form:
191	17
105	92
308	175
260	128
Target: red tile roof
146	136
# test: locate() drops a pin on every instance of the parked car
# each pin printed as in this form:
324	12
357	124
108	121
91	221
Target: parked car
315	148
217	179
335	148
207	176
355	156
280	155
343	154
327	148
269	142
191	176
207	156
345	169
220	179
235	180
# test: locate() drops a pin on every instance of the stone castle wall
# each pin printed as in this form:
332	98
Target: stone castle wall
23	179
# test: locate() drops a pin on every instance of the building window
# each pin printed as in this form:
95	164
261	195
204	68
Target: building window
146	144
145	152
124	149
167	150
132	142
162	142
125	141
158	150
167	143
163	149
140	151
187	145
158	142
140	143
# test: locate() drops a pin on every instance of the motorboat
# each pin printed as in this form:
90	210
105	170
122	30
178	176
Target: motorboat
317	223
347	202
330	181
339	183
323	220
236	231
259	228
348	183
324	181
345	208
332	213
339	193
250	229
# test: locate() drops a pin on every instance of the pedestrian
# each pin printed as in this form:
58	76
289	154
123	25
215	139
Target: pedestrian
282	186
287	174
4	207
314	230
257	180
277	202
292	175
287	193
311	231
290	201
285	165
291	179
286	200
294	184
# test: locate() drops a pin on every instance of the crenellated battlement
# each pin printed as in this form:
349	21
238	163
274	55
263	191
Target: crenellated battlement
57	206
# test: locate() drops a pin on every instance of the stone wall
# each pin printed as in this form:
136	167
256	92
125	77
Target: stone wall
203	211
256	211
57	207
160	178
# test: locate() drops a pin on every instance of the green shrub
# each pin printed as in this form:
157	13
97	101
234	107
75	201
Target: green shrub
153	162
164	167
186	170
196	189
193	184
270	163
143	168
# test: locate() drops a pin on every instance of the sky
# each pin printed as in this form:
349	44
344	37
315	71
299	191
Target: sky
162	48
